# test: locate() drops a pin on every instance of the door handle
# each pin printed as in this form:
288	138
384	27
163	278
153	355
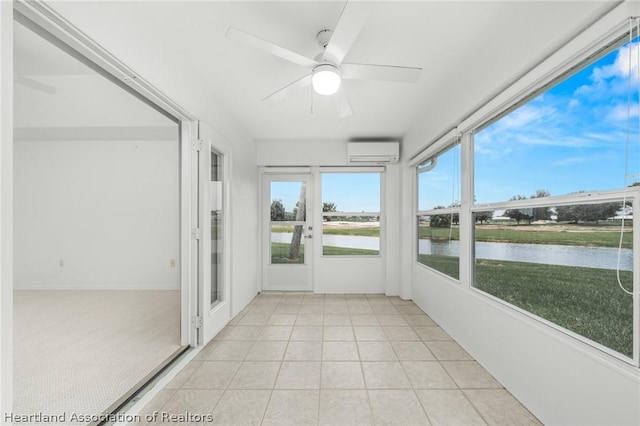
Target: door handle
309	236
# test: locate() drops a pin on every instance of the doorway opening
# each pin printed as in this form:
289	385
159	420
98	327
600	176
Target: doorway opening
97	232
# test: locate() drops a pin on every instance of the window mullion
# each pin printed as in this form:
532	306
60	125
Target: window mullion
466	216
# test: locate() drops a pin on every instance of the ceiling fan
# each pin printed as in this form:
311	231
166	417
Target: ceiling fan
327	69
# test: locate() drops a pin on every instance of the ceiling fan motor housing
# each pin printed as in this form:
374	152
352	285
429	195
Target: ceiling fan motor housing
323	38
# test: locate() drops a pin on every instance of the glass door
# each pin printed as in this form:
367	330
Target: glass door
287	232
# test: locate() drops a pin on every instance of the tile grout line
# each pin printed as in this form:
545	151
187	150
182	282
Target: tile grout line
412	387
364	380
266	407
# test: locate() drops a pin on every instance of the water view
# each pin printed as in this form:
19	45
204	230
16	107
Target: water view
550	254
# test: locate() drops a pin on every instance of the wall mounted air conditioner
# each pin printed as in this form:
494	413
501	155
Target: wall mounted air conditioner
373	152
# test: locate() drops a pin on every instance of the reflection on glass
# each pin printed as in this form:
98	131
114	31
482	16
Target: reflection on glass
351	236
564	269
286	247
438	243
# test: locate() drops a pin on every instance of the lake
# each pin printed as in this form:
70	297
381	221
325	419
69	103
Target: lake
589	257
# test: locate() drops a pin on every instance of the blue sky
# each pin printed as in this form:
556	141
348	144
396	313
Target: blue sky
568	139
351	192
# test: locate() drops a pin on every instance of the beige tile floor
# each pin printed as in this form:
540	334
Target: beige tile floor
309	359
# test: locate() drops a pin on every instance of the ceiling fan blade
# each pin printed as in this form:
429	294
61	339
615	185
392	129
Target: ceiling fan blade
271	48
380	72
344	106
34	84
289	89
353	18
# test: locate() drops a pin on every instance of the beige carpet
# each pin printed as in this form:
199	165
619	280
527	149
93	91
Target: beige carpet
79	351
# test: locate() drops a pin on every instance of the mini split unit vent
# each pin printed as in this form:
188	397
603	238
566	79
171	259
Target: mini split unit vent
373	152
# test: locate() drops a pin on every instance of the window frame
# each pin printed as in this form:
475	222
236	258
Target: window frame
595	50
444	145
380	214
609	33
631	194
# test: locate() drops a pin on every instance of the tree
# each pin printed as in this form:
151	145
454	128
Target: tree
440	220
541	213
484	216
277	210
329	208
586	212
455	217
294	249
519	214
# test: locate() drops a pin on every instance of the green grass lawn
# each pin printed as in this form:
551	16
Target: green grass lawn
586	301
360	232
606	238
280	253
343	251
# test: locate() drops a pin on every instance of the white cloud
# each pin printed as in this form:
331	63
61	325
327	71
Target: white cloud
626	63
525	115
622	112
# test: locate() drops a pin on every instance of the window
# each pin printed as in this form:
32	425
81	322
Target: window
351	214
564	259
287	220
568	139
438	212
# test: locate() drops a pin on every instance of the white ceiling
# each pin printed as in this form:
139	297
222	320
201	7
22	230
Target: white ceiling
468	50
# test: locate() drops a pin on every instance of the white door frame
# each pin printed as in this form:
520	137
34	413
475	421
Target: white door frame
301	271
210	318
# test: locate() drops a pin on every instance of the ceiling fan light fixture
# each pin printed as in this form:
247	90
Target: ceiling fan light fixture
326	79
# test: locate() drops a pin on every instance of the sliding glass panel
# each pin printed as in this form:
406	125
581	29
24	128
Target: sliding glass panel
569	272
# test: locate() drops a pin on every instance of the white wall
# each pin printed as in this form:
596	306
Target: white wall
336	274
108	210
244	231
312	152
6	206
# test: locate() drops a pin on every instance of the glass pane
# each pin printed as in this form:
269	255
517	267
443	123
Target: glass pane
351	192
564	270
570	138
216	229
439	187
351	235
438	243
216	254
288	201
287	244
